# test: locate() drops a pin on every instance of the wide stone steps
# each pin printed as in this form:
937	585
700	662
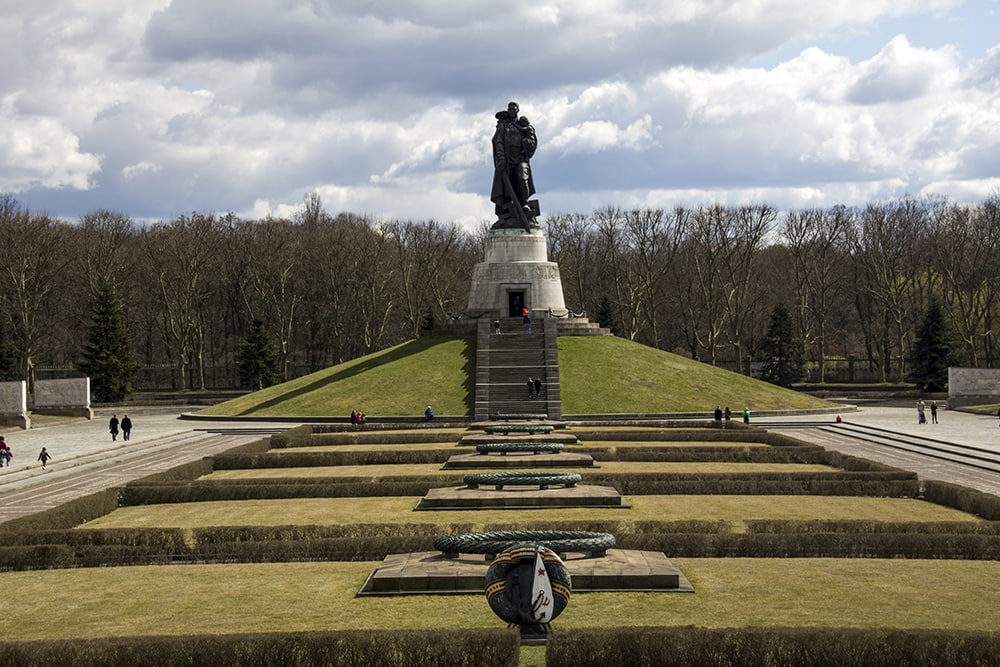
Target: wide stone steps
504	363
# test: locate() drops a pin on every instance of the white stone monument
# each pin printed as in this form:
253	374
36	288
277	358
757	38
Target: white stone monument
14	404
69	398
973	386
516	273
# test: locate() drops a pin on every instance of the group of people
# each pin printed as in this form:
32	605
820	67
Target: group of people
534	387
358	419
727	414
6	455
126	425
921	412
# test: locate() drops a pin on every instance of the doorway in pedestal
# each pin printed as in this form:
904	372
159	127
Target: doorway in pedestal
515	301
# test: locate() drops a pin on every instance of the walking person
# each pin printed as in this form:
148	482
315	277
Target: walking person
746	415
113	427
126	427
934	412
531	388
44	457
718	413
5	455
538	387
526	317
920	412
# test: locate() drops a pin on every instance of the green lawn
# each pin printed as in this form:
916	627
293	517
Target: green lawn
348	511
171	600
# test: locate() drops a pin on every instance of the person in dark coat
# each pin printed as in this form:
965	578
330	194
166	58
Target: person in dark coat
718	413
113	427
44	457
126	427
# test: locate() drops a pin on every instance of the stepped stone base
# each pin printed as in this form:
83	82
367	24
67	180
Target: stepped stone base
522	497
431	573
521	460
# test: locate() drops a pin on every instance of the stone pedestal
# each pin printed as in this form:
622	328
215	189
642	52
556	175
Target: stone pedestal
516	274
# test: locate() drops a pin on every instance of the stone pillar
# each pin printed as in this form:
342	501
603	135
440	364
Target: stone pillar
516	273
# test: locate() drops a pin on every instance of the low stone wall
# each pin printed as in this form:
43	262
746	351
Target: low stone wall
68	398
973	386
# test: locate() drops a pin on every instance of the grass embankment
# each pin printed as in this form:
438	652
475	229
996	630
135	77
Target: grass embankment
400	381
598	374
612	375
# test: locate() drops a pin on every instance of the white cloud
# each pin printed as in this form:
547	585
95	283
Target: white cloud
159	107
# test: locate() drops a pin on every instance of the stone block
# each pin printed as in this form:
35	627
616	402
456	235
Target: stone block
70	397
14	404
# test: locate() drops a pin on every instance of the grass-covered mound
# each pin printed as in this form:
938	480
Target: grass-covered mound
607	374
598	374
400	381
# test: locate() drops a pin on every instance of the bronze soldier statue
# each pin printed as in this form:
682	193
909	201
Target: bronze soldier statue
514	143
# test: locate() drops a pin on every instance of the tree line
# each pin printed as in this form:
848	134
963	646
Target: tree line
322	289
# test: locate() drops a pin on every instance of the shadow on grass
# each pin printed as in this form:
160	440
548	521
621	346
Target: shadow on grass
403	351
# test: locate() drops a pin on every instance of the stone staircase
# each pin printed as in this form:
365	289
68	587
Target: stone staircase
505	361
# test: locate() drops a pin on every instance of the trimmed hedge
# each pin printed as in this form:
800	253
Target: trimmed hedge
948	546
67	515
315	459
735	454
749	647
356	648
865	526
690	435
958	497
142	494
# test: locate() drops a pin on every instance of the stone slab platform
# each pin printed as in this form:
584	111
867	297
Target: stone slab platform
521	460
432	573
522	497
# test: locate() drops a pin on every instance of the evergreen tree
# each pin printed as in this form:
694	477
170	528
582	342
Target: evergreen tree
781	351
933	351
258	359
605	315
107	357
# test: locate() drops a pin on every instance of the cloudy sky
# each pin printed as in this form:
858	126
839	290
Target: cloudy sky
156	108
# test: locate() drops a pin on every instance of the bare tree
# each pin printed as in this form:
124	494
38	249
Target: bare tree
271	255
182	259
572	246
33	259
741	250
886	246
106	249
427	256
817	243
